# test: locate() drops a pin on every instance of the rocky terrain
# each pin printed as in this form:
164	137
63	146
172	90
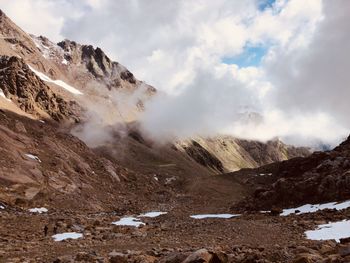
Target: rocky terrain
320	177
59	174
20	84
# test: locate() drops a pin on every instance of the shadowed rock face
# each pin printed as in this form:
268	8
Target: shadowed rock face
30	93
204	157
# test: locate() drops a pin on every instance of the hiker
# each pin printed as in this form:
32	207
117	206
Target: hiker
55	229
46	230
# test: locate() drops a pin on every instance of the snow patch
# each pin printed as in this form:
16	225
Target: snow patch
262	174
47	52
308	208
135	221
60	83
170	180
68	235
214	216
333	230
129	221
152	214
2	207
64	61
3	95
38	210
33	157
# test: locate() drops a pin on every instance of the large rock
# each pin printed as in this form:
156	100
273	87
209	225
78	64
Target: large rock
116	257
205	256
307	258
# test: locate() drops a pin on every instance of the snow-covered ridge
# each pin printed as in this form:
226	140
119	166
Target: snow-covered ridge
60	83
49	50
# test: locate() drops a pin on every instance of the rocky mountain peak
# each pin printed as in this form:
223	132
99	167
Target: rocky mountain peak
344	146
67	45
98	64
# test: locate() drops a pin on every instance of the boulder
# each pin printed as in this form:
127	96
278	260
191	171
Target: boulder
116	257
205	256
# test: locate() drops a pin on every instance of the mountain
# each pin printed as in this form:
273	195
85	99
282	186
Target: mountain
64	81
74	162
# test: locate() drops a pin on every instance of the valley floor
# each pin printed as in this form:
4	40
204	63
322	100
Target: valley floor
259	237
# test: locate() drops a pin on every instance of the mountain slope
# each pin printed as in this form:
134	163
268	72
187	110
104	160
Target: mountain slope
319	178
233	154
107	93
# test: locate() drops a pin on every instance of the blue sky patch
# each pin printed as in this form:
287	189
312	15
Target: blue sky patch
263	4
251	56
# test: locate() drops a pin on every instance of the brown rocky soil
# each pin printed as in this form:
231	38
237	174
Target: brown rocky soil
173	237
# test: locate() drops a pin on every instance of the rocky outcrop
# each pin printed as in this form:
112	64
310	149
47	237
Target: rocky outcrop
272	151
320	177
227	154
205	256
30	93
113	74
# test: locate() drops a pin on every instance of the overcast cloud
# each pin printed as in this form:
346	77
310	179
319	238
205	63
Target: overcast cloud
299	87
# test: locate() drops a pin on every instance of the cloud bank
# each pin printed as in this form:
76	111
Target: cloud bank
295	88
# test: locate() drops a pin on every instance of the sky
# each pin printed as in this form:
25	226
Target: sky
256	69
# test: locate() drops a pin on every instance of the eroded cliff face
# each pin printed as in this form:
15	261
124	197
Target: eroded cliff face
26	90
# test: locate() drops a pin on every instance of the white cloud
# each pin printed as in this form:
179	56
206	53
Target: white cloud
178	46
313	78
43	17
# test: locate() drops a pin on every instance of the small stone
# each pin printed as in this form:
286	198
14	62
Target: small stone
344	250
116	257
